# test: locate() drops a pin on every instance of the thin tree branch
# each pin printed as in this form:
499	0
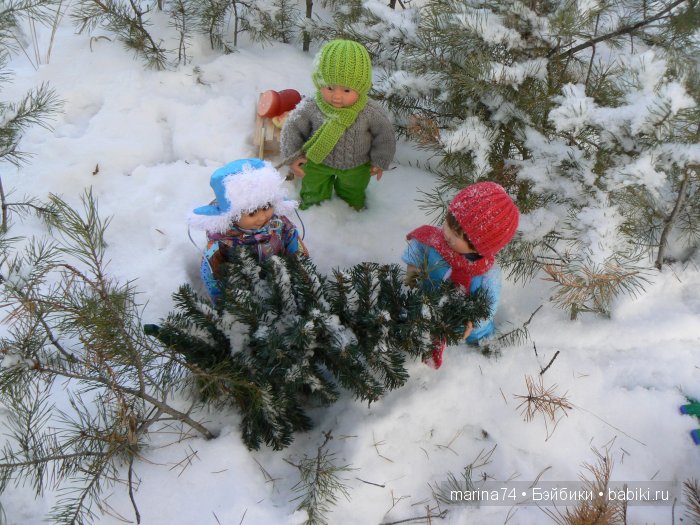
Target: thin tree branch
671	219
131	490
440	515
180	416
621	31
550	363
3	224
590	64
48	459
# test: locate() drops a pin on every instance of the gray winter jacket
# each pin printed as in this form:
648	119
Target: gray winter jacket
369	139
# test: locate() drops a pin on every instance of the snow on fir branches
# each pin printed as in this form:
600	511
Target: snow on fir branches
285	337
586	112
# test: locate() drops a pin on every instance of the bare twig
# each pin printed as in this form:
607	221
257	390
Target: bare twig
441	515
370	483
131	489
609	424
549	364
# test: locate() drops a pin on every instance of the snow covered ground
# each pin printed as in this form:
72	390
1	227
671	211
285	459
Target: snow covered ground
146	142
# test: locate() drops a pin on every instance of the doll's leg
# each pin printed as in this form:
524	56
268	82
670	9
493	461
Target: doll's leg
350	185
316	185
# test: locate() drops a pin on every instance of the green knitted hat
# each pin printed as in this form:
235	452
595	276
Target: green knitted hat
343	63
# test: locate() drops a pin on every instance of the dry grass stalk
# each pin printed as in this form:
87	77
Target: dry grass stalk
691	491
597	510
423	130
590	289
541	400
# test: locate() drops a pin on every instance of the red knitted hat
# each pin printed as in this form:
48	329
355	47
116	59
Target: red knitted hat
488	216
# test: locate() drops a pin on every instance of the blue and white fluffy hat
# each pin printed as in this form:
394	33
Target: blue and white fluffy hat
241	186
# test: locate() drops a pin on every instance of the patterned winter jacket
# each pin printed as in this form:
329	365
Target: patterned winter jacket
278	237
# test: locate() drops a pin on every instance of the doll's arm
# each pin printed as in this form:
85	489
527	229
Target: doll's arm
491	284
297	166
412	274
468	329
376	170
414	256
296	131
383	145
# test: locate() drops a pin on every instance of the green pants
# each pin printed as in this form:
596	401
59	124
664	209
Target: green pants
319	181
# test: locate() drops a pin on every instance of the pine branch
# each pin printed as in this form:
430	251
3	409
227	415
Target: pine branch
466	482
691	491
520	334
127	22
319	483
588	288
542	400
121	389
35	109
619	32
284	337
72	322
599	509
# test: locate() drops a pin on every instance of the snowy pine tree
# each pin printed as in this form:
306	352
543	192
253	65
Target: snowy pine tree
130	21
586	112
284	337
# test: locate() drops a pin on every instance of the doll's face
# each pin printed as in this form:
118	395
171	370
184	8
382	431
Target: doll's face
256	219
456	241
339	96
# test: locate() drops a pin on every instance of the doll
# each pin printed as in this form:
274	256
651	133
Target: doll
480	221
249	210
344	137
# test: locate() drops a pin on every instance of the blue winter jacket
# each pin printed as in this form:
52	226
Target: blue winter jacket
429	260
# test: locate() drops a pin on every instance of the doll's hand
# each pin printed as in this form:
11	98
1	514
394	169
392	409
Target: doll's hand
297	167
376	170
467	330
412	275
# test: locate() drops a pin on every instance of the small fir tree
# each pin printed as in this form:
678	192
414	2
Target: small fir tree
273	21
284	337
182	18
212	17
130	21
224	21
35	108
70	325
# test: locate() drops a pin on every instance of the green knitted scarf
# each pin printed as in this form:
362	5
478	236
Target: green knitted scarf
338	120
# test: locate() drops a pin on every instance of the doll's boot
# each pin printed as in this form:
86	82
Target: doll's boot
693	409
434	359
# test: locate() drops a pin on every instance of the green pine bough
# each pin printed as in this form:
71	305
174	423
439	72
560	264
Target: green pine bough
284	338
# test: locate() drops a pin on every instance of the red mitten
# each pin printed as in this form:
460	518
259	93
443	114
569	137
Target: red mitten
435	358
